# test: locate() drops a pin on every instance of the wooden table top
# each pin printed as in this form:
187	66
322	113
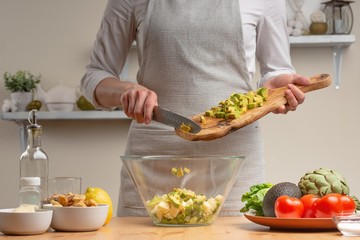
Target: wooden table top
224	228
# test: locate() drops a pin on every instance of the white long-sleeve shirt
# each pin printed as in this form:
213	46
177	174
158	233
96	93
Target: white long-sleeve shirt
264	32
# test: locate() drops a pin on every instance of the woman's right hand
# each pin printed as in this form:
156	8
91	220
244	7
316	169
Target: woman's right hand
138	103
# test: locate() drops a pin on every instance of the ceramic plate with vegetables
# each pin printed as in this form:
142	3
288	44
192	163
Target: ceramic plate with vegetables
310	204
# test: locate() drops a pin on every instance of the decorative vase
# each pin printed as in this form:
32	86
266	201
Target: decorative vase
22	99
318	28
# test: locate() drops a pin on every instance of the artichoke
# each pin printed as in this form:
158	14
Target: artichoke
323	181
357	202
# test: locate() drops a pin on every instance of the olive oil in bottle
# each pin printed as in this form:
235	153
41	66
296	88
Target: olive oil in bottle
34	161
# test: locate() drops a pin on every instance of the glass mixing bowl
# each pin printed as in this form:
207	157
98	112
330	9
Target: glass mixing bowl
183	190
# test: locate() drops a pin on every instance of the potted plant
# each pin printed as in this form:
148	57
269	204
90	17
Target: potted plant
21	85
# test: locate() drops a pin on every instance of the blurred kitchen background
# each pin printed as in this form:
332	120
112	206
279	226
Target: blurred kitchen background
54	38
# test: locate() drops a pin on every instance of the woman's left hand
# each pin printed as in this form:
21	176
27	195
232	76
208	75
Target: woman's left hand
293	94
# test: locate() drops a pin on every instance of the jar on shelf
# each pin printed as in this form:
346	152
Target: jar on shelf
318	24
339	16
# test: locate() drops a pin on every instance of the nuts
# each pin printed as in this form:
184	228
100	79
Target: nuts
72	200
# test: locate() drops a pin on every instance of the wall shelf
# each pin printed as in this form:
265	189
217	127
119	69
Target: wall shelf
21	118
337	42
73	115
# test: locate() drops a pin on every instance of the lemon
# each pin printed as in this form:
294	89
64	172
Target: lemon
101	197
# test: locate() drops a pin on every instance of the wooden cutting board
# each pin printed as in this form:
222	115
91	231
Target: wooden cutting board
214	128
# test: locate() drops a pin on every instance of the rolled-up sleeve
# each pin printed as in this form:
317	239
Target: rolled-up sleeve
273	49
111	47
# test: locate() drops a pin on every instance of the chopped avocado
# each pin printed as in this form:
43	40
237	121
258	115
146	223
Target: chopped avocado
251	105
244	102
233	115
200	198
156	200
219	114
179	172
174	171
264	92
185	128
187	193
251	94
183	206
237	104
209	113
174	200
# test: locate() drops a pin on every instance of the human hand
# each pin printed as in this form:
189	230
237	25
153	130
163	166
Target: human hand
138	103
293	94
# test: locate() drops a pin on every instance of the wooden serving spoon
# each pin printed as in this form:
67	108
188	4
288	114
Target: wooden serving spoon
214	128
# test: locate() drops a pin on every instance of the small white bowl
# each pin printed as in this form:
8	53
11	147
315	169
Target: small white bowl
24	223
78	219
348	223
60	106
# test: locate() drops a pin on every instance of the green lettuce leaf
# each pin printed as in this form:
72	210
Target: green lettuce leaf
254	199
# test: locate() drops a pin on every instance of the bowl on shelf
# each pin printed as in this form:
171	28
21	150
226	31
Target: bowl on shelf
348	223
183	190
77	219
24	223
60	106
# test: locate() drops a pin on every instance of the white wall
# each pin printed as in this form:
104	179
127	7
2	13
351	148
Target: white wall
54	38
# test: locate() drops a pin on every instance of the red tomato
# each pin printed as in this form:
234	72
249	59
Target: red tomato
308	201
348	203
287	207
332	204
327	206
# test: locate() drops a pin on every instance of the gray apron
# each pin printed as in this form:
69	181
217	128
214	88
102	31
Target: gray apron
193	59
